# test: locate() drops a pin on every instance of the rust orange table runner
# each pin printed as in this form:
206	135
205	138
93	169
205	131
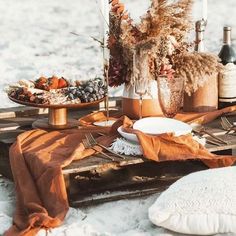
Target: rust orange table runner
37	159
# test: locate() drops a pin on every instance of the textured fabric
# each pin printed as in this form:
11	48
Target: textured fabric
167	147
123	146
202	203
204	117
37	158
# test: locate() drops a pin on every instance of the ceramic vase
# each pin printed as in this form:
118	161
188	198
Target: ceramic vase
150	104
205	99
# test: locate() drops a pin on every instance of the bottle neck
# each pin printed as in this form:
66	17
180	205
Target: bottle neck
199	42
227	37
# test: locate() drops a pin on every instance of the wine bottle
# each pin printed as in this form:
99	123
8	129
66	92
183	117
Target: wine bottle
227	79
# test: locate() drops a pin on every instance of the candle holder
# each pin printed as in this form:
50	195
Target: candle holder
105	12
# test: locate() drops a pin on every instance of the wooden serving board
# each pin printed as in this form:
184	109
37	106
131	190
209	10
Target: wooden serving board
96	180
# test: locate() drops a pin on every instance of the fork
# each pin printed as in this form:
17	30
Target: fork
88	145
93	142
202	130
227	125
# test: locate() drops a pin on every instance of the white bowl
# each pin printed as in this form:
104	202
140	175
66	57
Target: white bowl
155	126
129	136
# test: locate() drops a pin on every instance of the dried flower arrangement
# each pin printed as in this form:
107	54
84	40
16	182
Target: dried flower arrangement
196	68
158	43
155	40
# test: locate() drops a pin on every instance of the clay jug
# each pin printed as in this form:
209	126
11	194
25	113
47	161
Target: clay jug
150	103
204	99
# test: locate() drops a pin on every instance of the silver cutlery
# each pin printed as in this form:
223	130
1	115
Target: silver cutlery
202	130
87	144
93	142
227	125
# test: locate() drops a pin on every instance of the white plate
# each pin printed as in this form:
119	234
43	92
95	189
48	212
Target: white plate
128	136
160	125
107	123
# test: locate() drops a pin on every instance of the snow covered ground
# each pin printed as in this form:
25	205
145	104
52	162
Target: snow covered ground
35	40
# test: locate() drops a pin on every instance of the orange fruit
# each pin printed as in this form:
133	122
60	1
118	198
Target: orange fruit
62	83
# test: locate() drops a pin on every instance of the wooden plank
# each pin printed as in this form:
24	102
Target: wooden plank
11	134
117	196
5	163
21	111
16	123
129	182
134	175
97	163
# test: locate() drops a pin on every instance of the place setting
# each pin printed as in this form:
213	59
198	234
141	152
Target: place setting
170	97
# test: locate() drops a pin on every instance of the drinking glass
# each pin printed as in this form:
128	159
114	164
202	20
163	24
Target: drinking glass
141	88
170	94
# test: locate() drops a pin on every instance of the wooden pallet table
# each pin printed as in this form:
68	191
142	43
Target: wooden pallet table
97	180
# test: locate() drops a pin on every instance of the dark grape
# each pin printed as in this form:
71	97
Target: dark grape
94	96
71	96
73	91
89	89
78	94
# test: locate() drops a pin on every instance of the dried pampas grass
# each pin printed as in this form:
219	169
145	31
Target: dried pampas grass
196	68
162	21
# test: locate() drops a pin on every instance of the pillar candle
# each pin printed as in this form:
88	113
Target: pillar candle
105	11
204	10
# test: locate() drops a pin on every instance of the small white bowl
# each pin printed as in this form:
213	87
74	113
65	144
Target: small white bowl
129	136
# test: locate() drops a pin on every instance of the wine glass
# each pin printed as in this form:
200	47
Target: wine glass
140	76
141	87
170	94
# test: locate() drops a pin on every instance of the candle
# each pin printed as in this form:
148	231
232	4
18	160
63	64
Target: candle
105	15
104	12
204	10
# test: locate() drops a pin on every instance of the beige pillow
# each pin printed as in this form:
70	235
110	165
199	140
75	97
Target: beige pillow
202	203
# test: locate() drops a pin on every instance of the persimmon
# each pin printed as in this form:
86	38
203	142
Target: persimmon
62	83
114	2
40	83
53	82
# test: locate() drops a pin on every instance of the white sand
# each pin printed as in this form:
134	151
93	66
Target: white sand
35	40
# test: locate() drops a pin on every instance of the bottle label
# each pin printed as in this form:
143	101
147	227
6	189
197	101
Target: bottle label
227	84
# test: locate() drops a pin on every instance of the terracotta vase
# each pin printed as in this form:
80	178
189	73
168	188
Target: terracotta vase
150	104
204	99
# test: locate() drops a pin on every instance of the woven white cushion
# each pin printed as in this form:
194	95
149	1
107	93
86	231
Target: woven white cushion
202	203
